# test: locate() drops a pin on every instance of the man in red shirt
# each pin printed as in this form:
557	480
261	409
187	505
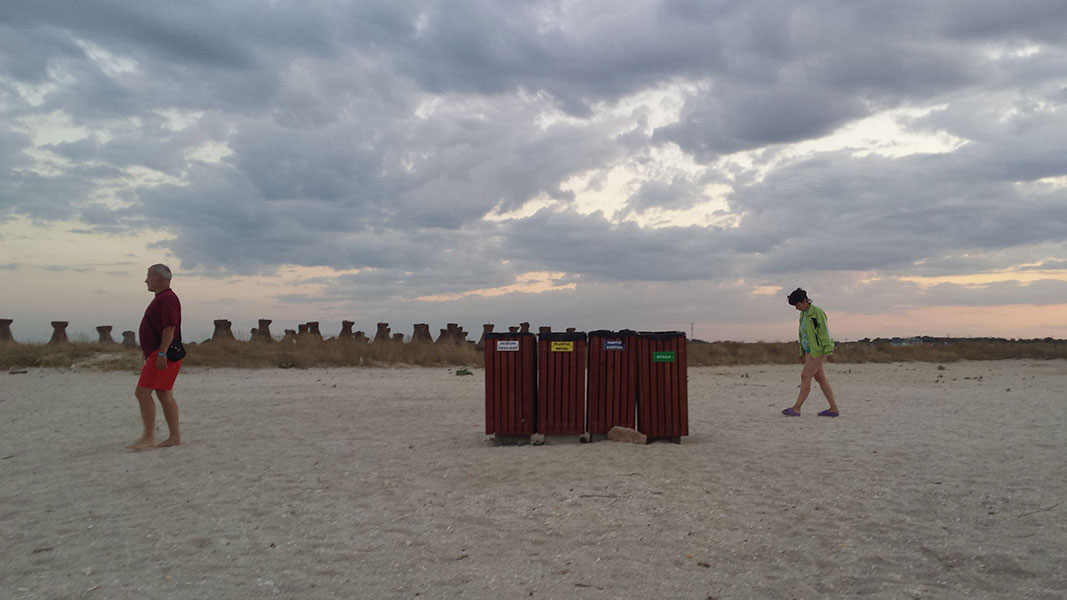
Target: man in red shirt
161	325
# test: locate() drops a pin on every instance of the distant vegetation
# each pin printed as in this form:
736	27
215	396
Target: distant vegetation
922	349
332	353
244	355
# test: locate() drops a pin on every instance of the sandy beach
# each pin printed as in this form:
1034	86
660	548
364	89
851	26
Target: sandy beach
380	483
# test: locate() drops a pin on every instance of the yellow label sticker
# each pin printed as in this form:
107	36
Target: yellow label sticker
563	346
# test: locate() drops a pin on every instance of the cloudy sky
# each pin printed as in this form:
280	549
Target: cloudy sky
673	164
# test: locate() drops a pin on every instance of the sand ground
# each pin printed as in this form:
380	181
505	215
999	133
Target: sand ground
380	483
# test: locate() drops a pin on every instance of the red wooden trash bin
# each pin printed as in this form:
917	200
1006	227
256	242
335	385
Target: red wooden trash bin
612	380
561	383
662	401
510	383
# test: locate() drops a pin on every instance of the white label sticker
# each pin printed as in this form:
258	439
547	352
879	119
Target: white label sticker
507	345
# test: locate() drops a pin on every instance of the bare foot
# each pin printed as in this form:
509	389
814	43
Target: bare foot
143	444
171	441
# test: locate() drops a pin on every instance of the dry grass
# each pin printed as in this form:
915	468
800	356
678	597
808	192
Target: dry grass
333	353
246	355
737	353
701	354
112	356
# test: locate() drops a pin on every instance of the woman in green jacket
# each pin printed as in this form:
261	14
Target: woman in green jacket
816	347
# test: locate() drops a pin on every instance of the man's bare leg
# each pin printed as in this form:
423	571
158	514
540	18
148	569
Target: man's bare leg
170	413
148	419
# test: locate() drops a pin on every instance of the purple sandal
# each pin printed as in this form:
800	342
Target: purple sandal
789	412
828	413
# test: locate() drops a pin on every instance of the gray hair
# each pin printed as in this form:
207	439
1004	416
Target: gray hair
161	270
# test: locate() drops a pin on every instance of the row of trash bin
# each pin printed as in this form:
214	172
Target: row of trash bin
560	383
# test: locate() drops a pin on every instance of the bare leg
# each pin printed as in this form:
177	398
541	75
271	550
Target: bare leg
148	419
170	413
824	385
811	367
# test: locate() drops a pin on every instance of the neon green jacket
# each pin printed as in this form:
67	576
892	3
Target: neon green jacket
814	321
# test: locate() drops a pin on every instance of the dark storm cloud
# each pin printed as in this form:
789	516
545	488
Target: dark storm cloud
1046	291
1046	264
1036	20
27	52
845	213
728	121
12	159
679	193
377	135
841	61
590	245
175	32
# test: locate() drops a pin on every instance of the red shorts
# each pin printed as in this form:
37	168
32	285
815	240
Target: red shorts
155	379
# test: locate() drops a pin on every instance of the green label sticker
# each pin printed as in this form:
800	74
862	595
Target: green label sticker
663	356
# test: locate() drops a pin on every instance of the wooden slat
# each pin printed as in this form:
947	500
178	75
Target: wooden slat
612	392
663	386
509	386
561	385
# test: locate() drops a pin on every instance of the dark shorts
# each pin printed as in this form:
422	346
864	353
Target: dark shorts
155	379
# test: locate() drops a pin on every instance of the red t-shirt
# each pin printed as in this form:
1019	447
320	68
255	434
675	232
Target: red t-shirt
164	311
